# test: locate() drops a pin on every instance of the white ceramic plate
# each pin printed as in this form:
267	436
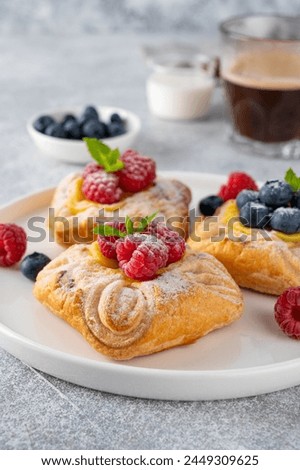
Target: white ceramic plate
250	357
75	151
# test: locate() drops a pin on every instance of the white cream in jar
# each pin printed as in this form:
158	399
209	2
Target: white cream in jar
180	93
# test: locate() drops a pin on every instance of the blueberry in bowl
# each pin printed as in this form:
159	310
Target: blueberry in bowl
59	134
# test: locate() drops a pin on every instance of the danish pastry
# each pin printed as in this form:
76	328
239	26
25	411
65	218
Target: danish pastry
73	216
113	186
123	318
266	261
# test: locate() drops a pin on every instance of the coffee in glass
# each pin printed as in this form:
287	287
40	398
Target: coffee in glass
261	75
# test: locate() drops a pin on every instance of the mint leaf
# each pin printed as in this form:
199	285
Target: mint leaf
108	231
129	225
292	179
144	222
106	157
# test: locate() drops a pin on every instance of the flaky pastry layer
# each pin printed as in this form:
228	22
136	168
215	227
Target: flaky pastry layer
260	261
122	318
169	198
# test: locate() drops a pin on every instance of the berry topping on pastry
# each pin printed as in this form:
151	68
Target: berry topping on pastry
287	312
295	202
90	168
247	195
140	256
255	215
276	206
102	187
286	219
210	204
107	244
141	247
236	183
138	172
12	244
105	179
174	242
276	193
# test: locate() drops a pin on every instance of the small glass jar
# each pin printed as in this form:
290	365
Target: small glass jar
181	89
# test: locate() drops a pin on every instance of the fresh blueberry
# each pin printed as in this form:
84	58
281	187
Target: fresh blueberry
67	118
115	117
42	122
209	204
33	264
89	113
72	129
286	219
255	215
115	129
296	200
246	196
276	193
55	130
93	128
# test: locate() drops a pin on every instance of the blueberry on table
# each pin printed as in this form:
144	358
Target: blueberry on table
42	122
295	202
286	220
93	128
276	193
115	117
209	204
56	130
72	129
255	215
33	264
115	129
247	195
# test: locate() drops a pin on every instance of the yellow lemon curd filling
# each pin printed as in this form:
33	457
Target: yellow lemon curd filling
76	201
232	212
95	252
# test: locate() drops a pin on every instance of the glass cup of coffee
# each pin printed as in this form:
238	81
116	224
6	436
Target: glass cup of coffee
260	69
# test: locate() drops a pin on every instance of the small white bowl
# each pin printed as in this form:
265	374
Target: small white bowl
75	151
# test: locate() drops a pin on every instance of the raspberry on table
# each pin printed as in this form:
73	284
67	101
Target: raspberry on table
91	168
236	183
12	244
140	256
173	241
102	187
138	173
107	245
287	312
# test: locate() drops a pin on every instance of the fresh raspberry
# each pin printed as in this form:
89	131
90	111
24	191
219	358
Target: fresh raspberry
138	173
91	168
107	245
287	312
236	183
102	187
12	244
141	256
173	241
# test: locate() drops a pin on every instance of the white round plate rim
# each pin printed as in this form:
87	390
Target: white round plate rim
166	383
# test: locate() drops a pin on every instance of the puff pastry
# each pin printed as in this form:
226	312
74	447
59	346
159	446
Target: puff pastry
122	318
265	264
170	198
